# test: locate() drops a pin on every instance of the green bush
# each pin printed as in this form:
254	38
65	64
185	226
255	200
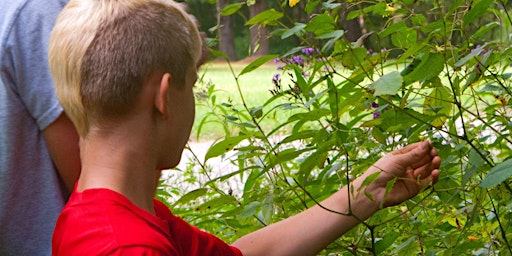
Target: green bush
441	74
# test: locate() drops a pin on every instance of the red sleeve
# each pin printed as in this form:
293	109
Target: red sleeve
190	240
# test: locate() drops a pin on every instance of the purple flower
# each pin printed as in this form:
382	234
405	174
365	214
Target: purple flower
308	51
298	60
376	114
277	60
375	105
276	79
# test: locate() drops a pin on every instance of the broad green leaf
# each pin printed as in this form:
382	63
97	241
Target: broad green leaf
257	63
424	68
498	174
293	31
336	34
378	135
353	58
231	9
313	115
311	5
269	16
405	38
388	84
438	103
306	134
393	28
267	207
317	158
223	146
468	57
249	210
477	10
484	30
192	195
321	24
475	162
353	14
301	82
285	155
404	244
385	242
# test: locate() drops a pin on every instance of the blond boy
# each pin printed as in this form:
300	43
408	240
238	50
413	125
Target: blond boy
124	73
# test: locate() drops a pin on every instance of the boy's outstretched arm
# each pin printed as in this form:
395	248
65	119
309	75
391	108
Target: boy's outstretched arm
414	167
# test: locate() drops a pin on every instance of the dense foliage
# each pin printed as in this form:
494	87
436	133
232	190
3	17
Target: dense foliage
436	70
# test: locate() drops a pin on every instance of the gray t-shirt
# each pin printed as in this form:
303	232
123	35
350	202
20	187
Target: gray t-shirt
31	195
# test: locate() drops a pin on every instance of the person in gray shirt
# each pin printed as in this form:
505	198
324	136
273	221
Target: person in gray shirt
39	155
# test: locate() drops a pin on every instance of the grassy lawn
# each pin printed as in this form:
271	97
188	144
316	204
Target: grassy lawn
254	86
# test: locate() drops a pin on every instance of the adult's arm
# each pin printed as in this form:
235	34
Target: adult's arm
62	142
307	233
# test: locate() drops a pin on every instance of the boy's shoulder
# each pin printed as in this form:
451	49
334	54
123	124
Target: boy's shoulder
103	220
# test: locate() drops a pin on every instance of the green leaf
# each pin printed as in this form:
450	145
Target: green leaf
266	17
224	146
438	103
336	34
321	24
353	58
231	9
317	158
388	84
311	5
218	54
469	57
393	28
368	180
405	38
498	174
249	210
475	162
313	115
385	242
257	63
353	14
424	68
192	195
477	10
484	30
299	27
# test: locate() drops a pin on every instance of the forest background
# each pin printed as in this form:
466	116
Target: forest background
350	81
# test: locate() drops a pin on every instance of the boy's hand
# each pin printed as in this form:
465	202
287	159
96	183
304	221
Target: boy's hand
415	167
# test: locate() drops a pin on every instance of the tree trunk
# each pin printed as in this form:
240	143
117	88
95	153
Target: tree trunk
259	34
226	33
352	27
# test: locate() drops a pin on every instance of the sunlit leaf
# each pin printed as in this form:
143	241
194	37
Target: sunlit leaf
388	84
498	174
257	63
231	9
223	146
269	16
438	103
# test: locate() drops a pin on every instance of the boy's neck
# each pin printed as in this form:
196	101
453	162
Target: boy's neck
122	161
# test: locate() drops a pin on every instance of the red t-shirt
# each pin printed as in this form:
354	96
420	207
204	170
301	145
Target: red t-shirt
104	222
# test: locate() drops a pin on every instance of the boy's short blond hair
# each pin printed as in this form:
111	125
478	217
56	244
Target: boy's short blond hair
103	51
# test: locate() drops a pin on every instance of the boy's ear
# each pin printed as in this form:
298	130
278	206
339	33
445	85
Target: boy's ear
161	96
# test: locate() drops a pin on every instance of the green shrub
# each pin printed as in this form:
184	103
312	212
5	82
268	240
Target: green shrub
441	74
